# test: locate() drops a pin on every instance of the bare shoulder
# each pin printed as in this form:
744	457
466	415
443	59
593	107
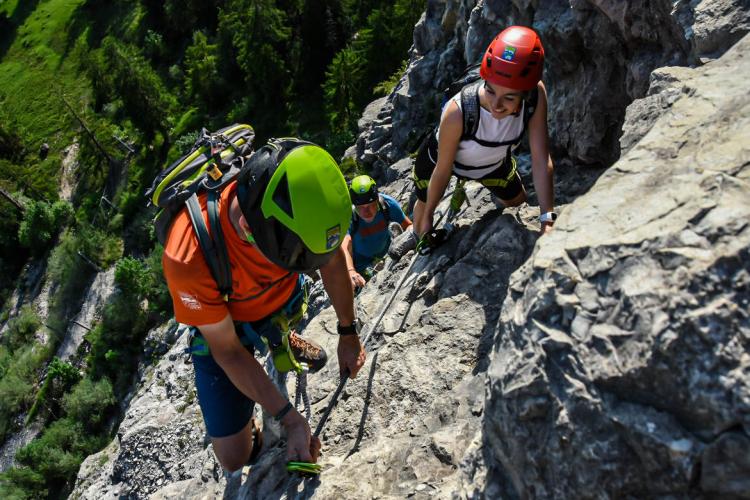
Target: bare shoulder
452	120
452	113
542	92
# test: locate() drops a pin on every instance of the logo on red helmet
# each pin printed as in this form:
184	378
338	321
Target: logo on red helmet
508	53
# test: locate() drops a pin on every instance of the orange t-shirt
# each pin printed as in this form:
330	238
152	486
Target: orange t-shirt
259	287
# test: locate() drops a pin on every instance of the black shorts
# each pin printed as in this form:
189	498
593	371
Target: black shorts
504	182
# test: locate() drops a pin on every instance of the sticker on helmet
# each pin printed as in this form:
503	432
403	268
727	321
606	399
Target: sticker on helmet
509	53
333	235
362	189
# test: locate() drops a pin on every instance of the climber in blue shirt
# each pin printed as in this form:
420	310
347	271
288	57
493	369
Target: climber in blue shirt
369	236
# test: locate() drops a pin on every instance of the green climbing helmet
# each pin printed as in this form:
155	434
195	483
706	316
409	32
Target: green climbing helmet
295	201
363	190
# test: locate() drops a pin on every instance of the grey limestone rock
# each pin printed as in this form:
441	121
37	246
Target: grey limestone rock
621	360
161	440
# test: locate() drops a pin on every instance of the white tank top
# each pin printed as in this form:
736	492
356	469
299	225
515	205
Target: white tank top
485	159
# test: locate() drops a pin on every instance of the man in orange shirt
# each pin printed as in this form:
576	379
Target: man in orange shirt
287	213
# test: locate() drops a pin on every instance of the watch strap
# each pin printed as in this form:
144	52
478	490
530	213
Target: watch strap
347	330
282	413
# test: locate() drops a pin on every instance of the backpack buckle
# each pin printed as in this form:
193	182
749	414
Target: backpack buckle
215	172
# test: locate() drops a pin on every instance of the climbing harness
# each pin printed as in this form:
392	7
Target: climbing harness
458	198
271	334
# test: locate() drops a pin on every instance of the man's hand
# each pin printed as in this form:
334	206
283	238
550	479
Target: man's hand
547	227
357	280
351	354
300	446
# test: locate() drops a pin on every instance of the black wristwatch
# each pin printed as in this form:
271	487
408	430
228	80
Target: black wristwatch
352	329
282	413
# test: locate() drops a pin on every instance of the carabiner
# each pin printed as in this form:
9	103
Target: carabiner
308	469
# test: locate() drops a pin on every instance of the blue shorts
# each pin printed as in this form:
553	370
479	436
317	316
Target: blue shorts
226	410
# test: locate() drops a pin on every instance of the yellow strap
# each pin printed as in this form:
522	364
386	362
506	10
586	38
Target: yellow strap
502	182
420	183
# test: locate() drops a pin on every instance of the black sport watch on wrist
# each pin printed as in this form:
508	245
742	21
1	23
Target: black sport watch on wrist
352	329
282	413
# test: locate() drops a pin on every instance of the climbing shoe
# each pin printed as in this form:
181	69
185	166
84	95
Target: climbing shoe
406	242
308	352
395	229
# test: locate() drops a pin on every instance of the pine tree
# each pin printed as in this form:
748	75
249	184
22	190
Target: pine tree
340	87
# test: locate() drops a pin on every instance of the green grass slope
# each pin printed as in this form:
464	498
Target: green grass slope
39	64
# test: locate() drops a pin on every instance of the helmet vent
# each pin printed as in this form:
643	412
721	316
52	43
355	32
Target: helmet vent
281	196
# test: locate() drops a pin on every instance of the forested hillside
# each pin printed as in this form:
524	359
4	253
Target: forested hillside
95	98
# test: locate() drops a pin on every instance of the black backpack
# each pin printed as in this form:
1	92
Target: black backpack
215	160
356	218
468	84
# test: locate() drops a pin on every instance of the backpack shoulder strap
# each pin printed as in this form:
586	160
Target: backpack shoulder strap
225	271
355	222
384	209
470	110
471	117
530	106
213	248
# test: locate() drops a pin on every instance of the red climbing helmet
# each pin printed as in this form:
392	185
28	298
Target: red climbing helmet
514	59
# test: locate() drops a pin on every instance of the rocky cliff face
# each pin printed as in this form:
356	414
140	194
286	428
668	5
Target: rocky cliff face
607	359
599	55
621	360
